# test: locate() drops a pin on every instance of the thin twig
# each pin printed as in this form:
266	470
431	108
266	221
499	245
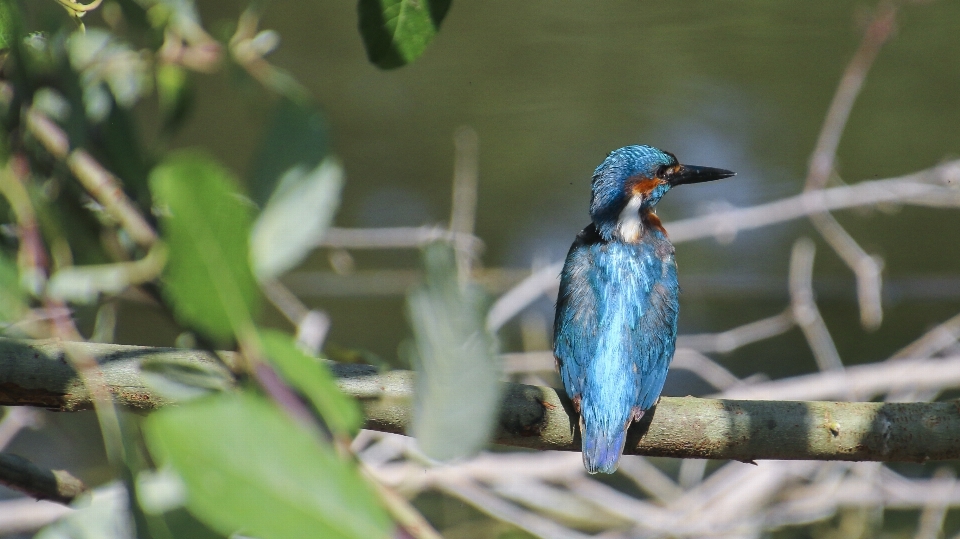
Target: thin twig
866	268
649	478
395	238
14	420
731	339
26	515
931	518
463	207
938	339
496	507
866	381
805	311
94	177
926	187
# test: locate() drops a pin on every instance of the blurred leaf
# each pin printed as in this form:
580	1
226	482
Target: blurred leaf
396	32
7	24
249	468
295	218
310	376
173	91
12	299
458	371
100	514
297	138
183	525
206	226
180	381
159	491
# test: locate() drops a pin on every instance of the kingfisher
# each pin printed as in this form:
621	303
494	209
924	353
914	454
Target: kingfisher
616	322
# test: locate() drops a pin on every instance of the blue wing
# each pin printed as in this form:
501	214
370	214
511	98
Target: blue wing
575	326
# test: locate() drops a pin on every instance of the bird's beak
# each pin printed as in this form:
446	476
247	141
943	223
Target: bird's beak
694	174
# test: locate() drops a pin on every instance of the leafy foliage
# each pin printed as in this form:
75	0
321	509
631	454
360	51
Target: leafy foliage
295	218
249	468
312	378
397	32
229	460
206	224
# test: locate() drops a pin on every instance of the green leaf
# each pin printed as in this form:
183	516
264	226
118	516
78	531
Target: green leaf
206	225
249	469
396	32
297	138
458	371
296	217
310	376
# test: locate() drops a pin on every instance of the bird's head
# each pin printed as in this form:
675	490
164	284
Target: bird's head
630	182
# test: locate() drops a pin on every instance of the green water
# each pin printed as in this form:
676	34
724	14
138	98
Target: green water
552	86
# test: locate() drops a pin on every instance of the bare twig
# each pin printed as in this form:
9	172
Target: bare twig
396	238
865	267
386	282
43	484
463	212
27	515
865	381
650	479
496	507
731	339
927	187
945	335
805	310
405	514
821	162
102	185
14	420
931	518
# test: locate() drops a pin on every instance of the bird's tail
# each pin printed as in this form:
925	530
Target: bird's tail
601	448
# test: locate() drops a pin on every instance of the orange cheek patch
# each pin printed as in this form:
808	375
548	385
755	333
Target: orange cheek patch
654	222
644	185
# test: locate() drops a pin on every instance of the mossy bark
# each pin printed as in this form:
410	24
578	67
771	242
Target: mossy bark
35	373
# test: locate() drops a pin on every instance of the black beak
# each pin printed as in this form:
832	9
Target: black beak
694	174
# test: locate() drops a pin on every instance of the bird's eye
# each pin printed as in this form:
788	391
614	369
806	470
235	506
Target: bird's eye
664	171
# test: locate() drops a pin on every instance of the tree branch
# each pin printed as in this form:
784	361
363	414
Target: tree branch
40	483
33	373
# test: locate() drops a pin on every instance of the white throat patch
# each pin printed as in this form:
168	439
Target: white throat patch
628	224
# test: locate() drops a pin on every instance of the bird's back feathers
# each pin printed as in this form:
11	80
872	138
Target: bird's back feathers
615	333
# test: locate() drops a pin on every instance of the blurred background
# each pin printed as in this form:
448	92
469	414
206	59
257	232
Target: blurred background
549	88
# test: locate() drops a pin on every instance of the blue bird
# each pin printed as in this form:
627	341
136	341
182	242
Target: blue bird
616	324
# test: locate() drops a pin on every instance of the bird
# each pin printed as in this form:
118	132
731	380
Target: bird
615	329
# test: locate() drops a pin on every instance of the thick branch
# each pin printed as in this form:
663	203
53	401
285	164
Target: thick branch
33	373
40	483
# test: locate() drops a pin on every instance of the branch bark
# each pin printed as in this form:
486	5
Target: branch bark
34	373
40	483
